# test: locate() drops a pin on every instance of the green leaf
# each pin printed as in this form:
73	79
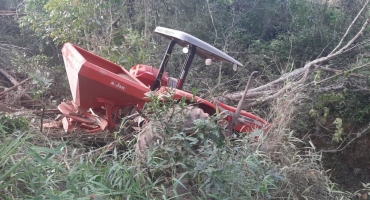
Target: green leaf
36	156
47	150
13	168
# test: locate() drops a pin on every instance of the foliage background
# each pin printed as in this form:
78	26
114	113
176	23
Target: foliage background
272	36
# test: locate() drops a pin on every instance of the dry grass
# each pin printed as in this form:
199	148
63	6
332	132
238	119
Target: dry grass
298	162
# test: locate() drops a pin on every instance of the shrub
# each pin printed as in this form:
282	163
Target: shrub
204	163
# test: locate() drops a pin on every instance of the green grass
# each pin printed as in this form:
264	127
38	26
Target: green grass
206	166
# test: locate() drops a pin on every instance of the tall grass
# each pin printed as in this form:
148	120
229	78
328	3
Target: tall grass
175	166
43	173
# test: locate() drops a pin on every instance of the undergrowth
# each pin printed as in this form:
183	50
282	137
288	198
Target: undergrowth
176	165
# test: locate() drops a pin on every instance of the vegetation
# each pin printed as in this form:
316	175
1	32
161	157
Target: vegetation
178	166
313	87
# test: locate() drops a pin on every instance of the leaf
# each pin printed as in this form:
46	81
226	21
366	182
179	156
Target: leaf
100	184
36	156
50	152
47	150
179	182
12	169
2	130
8	149
192	139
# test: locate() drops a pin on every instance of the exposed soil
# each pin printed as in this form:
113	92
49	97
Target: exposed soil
351	166
347	163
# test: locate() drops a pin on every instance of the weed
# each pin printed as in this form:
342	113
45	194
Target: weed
11	124
194	161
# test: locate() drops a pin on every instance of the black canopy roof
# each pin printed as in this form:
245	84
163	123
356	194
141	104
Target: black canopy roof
204	50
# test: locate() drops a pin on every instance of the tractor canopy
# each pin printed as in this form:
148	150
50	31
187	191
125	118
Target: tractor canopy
204	50
192	46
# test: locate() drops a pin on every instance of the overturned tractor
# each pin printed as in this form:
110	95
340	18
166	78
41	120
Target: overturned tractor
102	91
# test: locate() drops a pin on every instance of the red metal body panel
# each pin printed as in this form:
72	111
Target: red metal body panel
92	77
247	122
147	74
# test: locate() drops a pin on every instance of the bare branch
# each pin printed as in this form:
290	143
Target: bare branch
282	90
341	72
15	86
341	148
7	13
359	33
271	88
10	77
213	23
330	88
350	27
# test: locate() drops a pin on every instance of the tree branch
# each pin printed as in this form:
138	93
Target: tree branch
272	87
15	86
350	27
213	23
341	72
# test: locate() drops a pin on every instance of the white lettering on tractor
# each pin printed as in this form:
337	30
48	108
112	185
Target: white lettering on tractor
117	85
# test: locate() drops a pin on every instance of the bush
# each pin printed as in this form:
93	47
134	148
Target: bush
204	163
194	162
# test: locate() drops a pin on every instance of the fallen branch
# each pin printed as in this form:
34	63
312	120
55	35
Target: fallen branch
284	89
330	88
341	72
15	86
10	77
11	13
4	108
31	102
13	80
273	89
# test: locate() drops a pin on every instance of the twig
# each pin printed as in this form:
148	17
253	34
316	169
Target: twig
4	108
15	86
340	71
11	13
65	159
353	69
213	23
330	88
46	111
42	117
282	90
366	130
107	147
240	104
349	43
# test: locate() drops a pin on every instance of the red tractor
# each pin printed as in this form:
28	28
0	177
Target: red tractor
101	89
